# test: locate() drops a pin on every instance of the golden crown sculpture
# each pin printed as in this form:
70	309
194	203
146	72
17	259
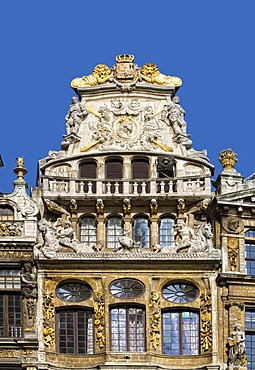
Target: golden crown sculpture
125	58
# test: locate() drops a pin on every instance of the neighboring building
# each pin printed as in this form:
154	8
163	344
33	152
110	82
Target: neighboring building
137	263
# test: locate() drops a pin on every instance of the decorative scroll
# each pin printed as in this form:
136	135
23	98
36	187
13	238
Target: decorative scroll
155	319
99	312
48	319
206	320
233	251
11	229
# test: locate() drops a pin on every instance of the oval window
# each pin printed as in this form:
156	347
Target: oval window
74	292
180	292
127	288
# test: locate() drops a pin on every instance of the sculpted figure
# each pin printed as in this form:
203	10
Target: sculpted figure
176	116
154	206
126	206
100	75
28	279
183	234
236	343
151	74
76	114
100	206
127	244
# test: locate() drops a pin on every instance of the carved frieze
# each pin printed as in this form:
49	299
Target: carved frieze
11	228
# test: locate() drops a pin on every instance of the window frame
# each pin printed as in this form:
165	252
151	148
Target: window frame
8	216
127	328
135	236
167	237
249	250
180	332
89	339
115	243
250	331
90	240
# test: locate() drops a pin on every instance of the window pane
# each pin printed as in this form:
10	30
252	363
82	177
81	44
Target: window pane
88	231
10	315
127	329
141	232
250	338
166	239
180	333
6	213
75	331
114	230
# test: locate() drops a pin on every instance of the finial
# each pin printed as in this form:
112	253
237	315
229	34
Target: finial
20	170
228	159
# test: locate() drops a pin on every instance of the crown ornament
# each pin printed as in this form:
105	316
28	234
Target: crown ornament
228	159
125	58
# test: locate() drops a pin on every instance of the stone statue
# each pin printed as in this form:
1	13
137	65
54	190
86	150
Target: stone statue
73	206
76	114
28	279
100	206
127	244
183	234
236	344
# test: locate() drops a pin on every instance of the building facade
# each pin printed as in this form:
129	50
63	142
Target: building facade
128	255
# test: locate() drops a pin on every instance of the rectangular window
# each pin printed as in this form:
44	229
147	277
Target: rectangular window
10	315
250	337
250	258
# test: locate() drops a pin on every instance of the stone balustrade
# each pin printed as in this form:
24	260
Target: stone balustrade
151	187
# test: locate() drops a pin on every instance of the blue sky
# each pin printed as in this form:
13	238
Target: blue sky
45	44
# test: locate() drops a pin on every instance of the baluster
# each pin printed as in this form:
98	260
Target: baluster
135	188
81	187
143	187
89	187
162	187
189	185
171	185
54	185
108	188
116	187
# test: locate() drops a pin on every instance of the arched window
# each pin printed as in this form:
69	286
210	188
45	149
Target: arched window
166	237
88	231
113	169
127	325
88	170
75	331
140	168
6	213
166	167
180	332
114	230
141	231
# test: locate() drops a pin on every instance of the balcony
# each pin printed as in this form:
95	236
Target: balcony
188	186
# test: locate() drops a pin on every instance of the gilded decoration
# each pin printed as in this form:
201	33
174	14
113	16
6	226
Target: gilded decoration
11	229
126	206
99	312
48	319
228	159
153	206
233	251
100	75
155	319
206	320
150	73
15	254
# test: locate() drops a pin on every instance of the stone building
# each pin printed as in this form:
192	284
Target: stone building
127	256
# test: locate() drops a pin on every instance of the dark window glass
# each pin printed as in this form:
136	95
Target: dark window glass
88	228
127	288
75	331
140	169
6	213
141	232
114	230
74	292
250	338
113	169
165	232
180	333
10	315
127	329
250	252
88	170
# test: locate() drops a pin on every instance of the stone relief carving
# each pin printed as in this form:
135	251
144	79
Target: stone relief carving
236	348
99	313
100	206
11	229
29	287
233	225
75	116
155	319
58	236
73	207
180	206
